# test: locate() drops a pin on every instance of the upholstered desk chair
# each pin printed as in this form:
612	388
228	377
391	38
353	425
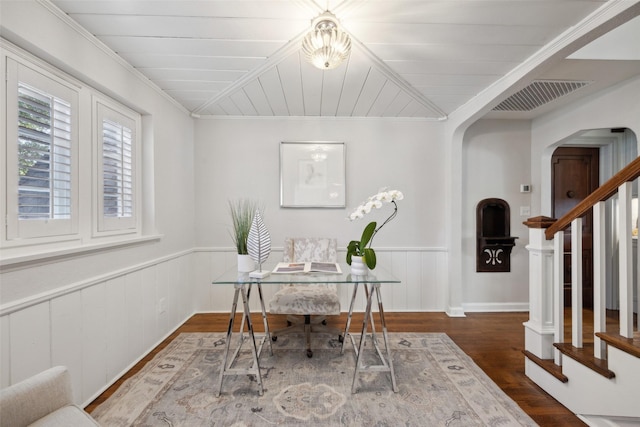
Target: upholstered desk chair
307	305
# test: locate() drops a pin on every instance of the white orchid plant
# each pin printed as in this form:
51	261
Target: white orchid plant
363	247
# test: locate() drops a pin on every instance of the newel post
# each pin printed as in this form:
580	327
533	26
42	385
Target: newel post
539	329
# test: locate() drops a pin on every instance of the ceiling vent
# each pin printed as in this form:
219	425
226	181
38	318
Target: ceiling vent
538	93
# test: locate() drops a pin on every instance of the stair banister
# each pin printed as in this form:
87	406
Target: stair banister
602	193
545	324
620	183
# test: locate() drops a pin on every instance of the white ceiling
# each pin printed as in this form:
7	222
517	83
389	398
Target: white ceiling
410	58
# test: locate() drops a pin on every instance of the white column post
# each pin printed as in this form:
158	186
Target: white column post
539	329
558	292
626	255
576	282
599	279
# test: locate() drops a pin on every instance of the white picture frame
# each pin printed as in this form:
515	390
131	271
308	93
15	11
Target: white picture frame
312	174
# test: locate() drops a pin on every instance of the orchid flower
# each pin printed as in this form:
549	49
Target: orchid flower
359	248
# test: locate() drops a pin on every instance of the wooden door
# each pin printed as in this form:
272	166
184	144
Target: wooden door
574	175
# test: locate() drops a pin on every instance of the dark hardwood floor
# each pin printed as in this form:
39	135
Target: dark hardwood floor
494	340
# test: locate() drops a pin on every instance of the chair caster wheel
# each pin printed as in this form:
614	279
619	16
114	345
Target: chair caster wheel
340	338
309	353
274	338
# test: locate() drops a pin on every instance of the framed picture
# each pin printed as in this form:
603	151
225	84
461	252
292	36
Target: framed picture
312	175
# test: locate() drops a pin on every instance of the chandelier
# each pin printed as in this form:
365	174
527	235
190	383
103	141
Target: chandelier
326	45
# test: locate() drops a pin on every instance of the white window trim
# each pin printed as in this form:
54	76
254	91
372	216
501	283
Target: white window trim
26	253
16	229
103	108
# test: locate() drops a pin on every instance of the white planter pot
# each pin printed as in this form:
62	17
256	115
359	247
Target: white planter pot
358	267
245	264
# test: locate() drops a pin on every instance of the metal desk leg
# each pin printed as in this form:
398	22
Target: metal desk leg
374	337
226	369
387	362
267	334
254	350
242	319
232	316
264	319
348	325
360	348
386	338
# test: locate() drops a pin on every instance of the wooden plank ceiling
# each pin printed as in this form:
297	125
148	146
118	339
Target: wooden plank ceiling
410	58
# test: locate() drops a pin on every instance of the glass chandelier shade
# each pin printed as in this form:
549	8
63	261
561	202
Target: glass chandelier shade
326	45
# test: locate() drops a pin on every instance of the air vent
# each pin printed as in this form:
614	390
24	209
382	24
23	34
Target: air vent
538	93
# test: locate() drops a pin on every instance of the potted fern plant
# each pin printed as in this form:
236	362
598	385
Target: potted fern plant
242	212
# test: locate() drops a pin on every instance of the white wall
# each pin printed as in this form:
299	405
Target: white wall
243	155
496	161
99	312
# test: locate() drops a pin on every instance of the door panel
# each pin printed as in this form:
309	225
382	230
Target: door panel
574	175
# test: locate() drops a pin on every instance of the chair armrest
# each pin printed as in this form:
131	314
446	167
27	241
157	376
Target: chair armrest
27	401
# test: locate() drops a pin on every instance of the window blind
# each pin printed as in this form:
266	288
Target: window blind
44	155
117	169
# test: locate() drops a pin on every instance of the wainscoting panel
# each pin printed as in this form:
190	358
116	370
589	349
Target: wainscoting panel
99	328
118	356
93	344
5	351
66	337
30	341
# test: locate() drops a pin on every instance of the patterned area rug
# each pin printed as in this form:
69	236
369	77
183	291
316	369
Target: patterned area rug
438	385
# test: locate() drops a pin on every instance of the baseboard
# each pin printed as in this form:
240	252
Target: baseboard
480	307
455	312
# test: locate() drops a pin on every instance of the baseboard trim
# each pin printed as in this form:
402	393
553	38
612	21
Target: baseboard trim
495	307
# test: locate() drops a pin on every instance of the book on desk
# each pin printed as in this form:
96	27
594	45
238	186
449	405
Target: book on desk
307	267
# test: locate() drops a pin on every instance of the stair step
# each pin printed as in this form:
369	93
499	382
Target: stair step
585	356
628	345
548	365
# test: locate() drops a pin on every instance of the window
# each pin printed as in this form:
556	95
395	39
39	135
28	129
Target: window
117	136
41	154
44	155
70	163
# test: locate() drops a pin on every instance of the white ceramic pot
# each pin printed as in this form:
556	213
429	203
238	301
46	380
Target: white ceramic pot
245	264
358	267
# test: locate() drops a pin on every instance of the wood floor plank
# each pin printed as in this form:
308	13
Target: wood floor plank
494	341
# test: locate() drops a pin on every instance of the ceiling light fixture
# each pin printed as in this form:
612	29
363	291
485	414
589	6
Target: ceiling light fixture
326	45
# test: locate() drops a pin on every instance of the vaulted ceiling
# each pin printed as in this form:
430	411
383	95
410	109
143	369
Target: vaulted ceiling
410	58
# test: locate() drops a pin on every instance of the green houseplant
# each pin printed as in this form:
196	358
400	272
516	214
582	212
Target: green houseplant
362	248
242	212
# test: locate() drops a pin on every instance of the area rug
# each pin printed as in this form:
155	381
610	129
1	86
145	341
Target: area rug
438	385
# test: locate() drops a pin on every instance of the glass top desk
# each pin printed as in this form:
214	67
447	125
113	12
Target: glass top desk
243	284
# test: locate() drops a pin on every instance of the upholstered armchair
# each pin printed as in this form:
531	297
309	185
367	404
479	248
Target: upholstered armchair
46	399
307	305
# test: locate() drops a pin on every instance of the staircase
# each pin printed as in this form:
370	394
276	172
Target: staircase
597	378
